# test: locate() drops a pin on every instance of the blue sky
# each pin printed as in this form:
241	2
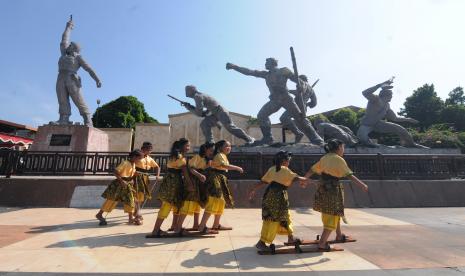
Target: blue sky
151	48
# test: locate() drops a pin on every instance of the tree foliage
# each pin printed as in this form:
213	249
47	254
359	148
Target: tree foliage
424	105
346	117
455	116
124	112
456	97
320	117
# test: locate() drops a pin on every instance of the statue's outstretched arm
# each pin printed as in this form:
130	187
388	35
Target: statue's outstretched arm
368	93
66	37
89	69
346	129
391	116
246	71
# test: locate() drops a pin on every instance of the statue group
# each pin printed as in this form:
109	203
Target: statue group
378	116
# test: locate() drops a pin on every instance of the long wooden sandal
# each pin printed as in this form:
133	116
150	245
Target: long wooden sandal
222	228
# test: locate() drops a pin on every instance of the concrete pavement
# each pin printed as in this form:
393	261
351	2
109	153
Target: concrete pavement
67	241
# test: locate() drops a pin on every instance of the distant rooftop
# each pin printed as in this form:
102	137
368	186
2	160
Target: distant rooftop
16	126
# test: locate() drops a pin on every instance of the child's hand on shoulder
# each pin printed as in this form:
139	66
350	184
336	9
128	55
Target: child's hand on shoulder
251	194
303	183
365	188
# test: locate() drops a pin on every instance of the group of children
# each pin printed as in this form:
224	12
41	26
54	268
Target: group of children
187	187
201	183
131	186
329	197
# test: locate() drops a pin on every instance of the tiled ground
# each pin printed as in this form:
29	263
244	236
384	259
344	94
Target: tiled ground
428	241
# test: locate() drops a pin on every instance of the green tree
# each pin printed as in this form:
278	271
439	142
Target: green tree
346	117
423	105
314	118
253	121
455	115
123	112
456	97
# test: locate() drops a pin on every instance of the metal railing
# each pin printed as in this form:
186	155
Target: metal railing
365	166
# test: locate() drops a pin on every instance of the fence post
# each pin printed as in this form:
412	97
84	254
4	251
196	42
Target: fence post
95	163
55	162
380	162
453	171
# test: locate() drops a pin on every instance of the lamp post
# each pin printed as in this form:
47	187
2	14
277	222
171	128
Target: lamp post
96	113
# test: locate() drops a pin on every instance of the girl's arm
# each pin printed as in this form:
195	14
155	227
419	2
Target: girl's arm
233	168
309	173
358	182
303	181
158	173
200	176
255	188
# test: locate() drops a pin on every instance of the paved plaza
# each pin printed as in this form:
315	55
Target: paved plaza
67	241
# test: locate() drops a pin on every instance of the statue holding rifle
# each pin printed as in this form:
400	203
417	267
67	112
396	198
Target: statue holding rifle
212	112
306	97
276	80
68	81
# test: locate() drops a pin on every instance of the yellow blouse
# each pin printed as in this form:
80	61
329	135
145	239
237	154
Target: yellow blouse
220	161
146	163
126	169
284	176
198	162
333	165
177	163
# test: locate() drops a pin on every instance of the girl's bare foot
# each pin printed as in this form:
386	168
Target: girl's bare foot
262	246
102	220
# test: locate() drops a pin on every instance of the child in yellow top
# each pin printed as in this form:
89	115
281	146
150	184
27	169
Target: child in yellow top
329	197
144	168
171	188
196	199
120	189
219	194
275	204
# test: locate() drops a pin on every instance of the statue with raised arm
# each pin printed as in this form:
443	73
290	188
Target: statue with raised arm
308	98
328	130
276	80
68	81
379	113
206	106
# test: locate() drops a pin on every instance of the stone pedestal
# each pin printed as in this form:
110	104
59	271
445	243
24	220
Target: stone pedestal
70	138
306	148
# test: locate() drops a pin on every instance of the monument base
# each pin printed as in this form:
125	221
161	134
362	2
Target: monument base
70	138
303	148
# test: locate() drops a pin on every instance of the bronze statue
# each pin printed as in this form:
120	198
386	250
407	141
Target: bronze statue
377	114
276	80
68	81
307	98
207	107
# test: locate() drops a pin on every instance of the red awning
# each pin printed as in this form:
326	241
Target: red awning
14	140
